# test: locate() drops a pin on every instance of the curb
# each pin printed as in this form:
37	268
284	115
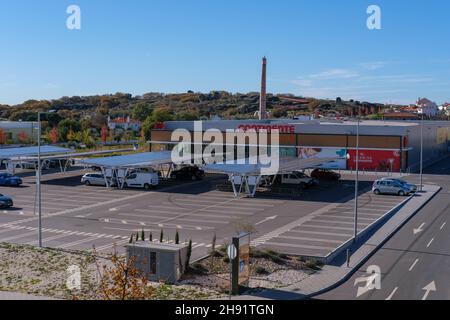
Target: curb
374	250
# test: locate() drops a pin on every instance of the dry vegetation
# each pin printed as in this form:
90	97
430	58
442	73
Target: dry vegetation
43	272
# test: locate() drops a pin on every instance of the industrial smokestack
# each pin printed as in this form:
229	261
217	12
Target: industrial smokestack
262	99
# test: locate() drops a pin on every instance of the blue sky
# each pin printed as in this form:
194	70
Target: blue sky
318	48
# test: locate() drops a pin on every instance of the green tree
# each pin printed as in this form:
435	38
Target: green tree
151	237
142	235
158	115
161	236
131	239
67	125
141	111
137	237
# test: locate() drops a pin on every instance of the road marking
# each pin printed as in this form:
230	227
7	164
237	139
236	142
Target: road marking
419	230
392	294
429	243
443	225
413	265
74	243
266	220
430	287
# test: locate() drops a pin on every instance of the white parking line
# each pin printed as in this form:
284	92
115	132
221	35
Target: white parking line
429	243
309	239
75	243
443	225
392	294
413	265
322	233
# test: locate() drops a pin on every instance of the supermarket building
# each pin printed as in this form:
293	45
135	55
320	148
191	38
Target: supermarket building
384	145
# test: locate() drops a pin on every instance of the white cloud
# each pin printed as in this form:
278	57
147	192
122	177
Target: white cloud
374	65
332	74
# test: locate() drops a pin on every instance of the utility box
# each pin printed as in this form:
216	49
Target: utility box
159	261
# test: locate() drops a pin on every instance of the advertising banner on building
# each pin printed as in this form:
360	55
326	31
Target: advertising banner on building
320	153
379	160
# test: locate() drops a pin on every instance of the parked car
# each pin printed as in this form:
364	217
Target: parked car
188	173
95	179
144	180
390	187
5	201
297	178
7	179
324	174
411	186
34	164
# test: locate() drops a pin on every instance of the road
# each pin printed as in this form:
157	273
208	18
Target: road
415	262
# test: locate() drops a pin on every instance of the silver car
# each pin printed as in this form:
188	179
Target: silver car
390	187
94	179
411	186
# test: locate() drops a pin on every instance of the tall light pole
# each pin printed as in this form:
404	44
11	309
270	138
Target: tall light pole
38	181
355	236
421	154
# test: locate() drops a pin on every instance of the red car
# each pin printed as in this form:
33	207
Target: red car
323	174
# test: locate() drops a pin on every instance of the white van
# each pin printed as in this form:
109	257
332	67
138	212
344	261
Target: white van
144	180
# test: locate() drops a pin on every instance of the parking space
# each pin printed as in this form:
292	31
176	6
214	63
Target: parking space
321	232
79	217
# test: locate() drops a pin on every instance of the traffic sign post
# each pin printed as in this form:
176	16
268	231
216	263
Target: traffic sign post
240	269
232	253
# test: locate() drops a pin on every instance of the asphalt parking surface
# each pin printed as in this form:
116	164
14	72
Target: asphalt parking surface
80	217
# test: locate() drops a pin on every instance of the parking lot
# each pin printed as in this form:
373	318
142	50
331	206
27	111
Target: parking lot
80	217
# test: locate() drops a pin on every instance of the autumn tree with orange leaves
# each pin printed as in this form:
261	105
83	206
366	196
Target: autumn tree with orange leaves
3	137
53	135
121	280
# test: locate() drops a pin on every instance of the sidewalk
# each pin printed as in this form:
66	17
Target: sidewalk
337	272
20	296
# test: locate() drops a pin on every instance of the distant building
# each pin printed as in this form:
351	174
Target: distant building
445	109
401	115
124	124
427	107
13	132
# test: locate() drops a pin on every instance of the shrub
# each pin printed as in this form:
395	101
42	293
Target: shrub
226	259
260	270
177	238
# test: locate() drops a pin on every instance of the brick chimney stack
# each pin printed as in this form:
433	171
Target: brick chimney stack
263	99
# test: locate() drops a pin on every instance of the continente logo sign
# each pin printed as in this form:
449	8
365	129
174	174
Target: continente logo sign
248	144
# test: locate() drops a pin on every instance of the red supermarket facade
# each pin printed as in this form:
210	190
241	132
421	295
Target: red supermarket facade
384	145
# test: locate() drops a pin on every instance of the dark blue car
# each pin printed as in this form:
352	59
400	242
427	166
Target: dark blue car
7	179
5	201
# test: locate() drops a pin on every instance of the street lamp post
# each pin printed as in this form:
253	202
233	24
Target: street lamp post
38	181
356	181
421	154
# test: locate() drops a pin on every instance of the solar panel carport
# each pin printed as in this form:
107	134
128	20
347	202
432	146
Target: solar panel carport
15	156
118	167
247	176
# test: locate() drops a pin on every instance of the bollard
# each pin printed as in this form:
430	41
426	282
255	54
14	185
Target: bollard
348	258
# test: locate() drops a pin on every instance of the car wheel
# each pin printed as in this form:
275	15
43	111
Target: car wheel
125	185
377	192
401	193
146	186
174	177
87	183
194	178
303	186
